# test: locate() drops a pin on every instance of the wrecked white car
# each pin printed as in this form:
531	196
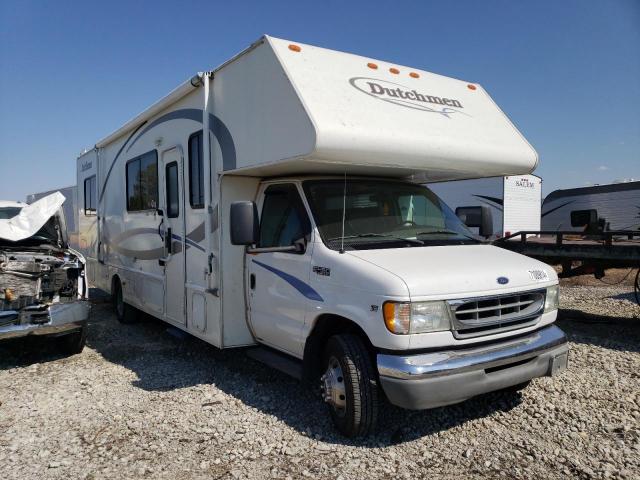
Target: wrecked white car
42	281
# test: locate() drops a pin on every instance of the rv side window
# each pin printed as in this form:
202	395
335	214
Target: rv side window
173	204
90	195
196	171
284	219
142	182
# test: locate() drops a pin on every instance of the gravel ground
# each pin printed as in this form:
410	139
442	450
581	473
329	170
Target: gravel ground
141	403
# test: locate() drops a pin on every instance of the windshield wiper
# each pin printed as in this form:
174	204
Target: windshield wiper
378	235
444	232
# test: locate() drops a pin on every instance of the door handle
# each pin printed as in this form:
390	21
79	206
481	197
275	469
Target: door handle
162	262
252	281
167	240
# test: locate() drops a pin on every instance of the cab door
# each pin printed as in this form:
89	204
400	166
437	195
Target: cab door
171	184
278	282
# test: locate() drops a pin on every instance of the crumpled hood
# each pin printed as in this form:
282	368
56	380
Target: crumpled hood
31	218
453	271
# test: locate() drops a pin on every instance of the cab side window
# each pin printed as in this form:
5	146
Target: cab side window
284	219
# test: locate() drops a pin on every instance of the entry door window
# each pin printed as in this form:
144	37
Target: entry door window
284	219
173	196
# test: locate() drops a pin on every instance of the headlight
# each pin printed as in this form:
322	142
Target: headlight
552	298
419	317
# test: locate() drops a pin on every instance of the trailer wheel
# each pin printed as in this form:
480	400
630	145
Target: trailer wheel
74	343
349	385
124	312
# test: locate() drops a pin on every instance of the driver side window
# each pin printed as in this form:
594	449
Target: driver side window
284	219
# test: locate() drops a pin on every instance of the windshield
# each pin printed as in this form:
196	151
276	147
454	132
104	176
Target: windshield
382	214
9	212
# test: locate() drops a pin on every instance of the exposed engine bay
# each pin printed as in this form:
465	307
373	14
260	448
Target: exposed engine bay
32	280
42	279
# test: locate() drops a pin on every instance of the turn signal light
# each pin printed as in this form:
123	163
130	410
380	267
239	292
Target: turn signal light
294	48
397	317
8	295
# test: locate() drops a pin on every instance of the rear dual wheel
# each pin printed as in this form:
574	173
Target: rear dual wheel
349	385
124	312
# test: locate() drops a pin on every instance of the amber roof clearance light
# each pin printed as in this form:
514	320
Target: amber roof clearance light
372	66
471	87
414	75
395	71
294	48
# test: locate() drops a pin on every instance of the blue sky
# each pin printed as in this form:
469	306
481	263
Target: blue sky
566	72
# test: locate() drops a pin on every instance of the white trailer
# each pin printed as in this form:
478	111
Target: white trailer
615	206
298	222
506	204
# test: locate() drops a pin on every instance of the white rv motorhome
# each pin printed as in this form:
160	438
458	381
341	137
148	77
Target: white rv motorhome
297	222
616	206
496	206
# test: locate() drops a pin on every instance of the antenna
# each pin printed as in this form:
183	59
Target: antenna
344	210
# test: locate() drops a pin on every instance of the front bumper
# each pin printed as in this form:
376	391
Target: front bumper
442	378
57	319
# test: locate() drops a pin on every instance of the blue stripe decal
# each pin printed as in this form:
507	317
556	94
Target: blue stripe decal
216	126
296	283
194	244
104	185
188	241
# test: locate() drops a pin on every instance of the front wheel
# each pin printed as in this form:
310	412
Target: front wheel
74	343
349	385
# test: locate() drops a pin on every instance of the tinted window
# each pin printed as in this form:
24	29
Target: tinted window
90	199
284	219
196	171
142	182
171	176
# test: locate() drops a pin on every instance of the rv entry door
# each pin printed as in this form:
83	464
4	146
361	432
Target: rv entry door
172	205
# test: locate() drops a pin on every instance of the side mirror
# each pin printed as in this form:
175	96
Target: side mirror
479	217
244	223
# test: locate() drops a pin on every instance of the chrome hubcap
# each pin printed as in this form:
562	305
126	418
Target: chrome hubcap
332	385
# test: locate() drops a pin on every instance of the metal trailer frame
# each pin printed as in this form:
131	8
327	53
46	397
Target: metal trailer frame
595	252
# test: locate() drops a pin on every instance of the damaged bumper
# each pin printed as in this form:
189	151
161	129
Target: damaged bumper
55	319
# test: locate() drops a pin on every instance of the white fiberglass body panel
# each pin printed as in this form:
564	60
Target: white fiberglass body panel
423	124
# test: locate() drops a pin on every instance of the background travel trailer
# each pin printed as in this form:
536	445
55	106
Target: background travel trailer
513	202
68	207
616	205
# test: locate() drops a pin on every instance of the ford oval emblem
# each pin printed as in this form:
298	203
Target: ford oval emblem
503	280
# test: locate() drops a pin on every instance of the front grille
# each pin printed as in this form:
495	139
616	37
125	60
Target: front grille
474	317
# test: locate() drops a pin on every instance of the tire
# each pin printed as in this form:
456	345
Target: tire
355	377
74	343
125	313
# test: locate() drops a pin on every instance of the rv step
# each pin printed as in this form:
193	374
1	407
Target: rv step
277	360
